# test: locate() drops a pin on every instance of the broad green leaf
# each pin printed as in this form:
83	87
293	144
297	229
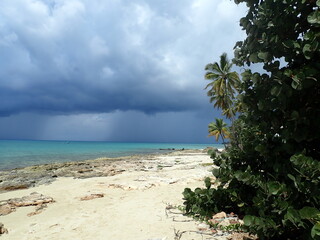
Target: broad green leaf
296	83
261	105
309	212
212	153
263	56
288	43
215	172
314	46
307	51
255	78
270	24
309	36
274	187
276	90
244	22
293	216
238	44
294	115
248	220
207	182
315	231
318	3
291	177
238	174
283	205
288	73
314	18
254	58
260	148
296	45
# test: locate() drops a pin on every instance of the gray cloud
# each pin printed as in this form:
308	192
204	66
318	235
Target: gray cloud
71	57
115	126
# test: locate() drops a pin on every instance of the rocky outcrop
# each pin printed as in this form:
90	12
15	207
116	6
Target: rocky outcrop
6	208
3	230
45	174
34	199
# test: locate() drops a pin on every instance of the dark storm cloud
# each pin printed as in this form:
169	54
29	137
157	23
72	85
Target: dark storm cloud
71	57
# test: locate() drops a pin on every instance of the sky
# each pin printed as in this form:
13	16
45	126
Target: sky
112	70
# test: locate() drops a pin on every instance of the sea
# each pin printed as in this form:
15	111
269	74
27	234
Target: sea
23	153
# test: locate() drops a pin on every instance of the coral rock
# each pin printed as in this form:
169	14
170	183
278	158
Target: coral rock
5	209
3	229
224	223
219	215
92	196
31	200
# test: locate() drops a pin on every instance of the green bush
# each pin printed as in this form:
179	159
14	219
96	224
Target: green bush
270	173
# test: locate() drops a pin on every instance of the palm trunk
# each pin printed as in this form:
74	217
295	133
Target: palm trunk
221	134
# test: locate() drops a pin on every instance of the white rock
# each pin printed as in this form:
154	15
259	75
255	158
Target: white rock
219	215
224	223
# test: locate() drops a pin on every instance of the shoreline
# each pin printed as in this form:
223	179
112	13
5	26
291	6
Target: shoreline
35	175
19	154
138	199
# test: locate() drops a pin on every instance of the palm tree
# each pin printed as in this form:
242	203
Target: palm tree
223	86
218	129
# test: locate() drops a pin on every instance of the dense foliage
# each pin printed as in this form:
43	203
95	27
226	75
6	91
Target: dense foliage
271	172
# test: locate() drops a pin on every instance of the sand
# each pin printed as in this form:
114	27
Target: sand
136	204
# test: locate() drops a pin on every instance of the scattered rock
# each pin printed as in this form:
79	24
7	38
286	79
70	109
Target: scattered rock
219	215
92	196
241	222
34	199
5	209
39	209
31	200
224	223
112	185
18	186
3	230
241	236
213	221
84	170
203	227
32	176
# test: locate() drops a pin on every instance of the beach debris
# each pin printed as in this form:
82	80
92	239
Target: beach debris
241	236
223	220
132	187
224	223
84	170
12	187
3	230
39	209
219	215
5	209
32	200
92	196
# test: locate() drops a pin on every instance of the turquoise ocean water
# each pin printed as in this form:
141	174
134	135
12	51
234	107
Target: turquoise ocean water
16	153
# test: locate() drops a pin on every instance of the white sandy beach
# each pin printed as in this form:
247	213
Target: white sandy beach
133	207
